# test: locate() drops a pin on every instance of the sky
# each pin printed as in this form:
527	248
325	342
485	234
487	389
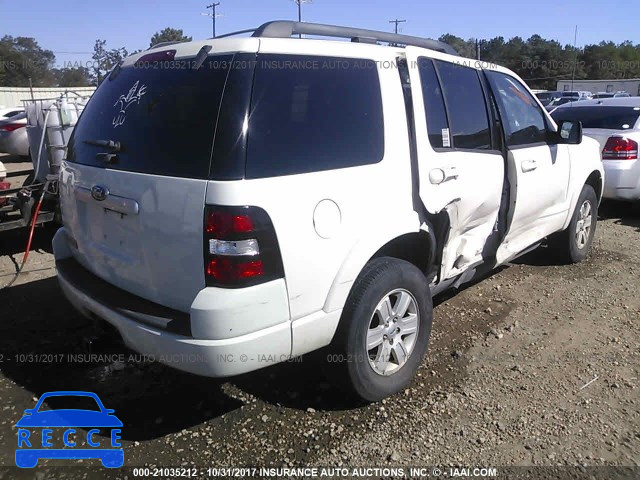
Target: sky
70	27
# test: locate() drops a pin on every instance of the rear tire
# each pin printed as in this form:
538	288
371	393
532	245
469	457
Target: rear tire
574	244
384	330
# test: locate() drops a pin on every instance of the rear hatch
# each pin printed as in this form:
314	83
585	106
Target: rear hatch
135	178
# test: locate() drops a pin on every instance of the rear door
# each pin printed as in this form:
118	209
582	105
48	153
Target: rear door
135	178
461	170
538	170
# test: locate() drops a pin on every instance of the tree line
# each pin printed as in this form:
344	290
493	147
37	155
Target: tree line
540	62
23	60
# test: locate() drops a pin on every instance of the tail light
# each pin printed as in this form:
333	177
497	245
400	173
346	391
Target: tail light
10	127
620	148
240	247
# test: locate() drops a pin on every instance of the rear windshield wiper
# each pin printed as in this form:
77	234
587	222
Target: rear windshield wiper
110	144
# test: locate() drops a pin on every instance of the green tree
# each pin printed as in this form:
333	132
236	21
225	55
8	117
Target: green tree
21	59
104	60
169	35
466	48
72	77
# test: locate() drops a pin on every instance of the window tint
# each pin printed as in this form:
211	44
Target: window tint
466	106
521	115
164	118
312	113
437	124
610	118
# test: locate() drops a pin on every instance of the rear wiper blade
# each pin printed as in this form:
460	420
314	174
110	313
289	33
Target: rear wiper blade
111	144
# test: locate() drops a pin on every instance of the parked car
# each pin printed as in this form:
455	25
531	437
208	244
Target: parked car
582	94
615	124
547	97
556	102
324	198
7	112
13	132
611	95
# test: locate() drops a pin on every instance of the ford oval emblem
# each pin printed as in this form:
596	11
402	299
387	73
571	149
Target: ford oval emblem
99	192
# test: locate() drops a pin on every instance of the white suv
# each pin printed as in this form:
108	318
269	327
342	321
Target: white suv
232	203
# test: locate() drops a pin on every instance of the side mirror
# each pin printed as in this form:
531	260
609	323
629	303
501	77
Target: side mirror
570	132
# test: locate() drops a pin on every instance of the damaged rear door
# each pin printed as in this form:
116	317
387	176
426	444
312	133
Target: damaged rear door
460	164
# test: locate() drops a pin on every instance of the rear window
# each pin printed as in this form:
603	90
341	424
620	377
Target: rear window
610	118
313	113
163	114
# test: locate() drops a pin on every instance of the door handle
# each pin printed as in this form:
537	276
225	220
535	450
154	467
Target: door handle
442	174
528	166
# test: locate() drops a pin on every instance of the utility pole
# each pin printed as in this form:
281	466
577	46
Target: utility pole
299	3
396	21
213	16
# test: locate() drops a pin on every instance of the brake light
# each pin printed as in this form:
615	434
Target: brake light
226	270
224	223
620	148
162	56
10	127
241	248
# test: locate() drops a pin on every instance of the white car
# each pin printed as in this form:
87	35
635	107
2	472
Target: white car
262	198
13	132
615	124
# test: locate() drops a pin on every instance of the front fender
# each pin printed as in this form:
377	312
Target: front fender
585	162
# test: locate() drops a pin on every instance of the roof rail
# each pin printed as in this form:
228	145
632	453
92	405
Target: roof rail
164	44
232	34
285	29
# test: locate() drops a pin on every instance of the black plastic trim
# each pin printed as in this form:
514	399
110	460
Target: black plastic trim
131	306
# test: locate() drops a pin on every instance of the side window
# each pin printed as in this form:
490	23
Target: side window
437	124
522	118
313	113
466	106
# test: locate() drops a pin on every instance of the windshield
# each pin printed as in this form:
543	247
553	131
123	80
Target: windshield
71	402
163	119
610	118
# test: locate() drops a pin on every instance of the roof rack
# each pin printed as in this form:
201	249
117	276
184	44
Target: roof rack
286	29
164	44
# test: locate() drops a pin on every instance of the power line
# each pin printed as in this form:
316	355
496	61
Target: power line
396	21
213	16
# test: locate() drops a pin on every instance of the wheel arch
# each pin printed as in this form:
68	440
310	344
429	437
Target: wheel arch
418	247
596	181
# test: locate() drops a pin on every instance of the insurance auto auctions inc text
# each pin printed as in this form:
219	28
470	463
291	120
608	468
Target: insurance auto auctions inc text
357	472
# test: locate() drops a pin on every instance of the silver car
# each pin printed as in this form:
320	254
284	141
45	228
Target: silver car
615	124
13	132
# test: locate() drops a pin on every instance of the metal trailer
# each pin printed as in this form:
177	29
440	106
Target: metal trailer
50	122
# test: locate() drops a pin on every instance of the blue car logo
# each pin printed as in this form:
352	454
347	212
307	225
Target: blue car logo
36	437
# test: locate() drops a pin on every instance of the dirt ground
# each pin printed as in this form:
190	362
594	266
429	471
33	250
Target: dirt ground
538	364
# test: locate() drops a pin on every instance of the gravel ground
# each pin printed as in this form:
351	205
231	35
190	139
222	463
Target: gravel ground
538	364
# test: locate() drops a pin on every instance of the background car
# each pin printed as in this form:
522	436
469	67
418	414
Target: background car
7	112
615	124
13	132
556	102
611	95
547	97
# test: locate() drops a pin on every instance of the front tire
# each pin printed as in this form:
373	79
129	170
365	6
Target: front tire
384	330
574	243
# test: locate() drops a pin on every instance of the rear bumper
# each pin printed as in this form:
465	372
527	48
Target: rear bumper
174	338
622	179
